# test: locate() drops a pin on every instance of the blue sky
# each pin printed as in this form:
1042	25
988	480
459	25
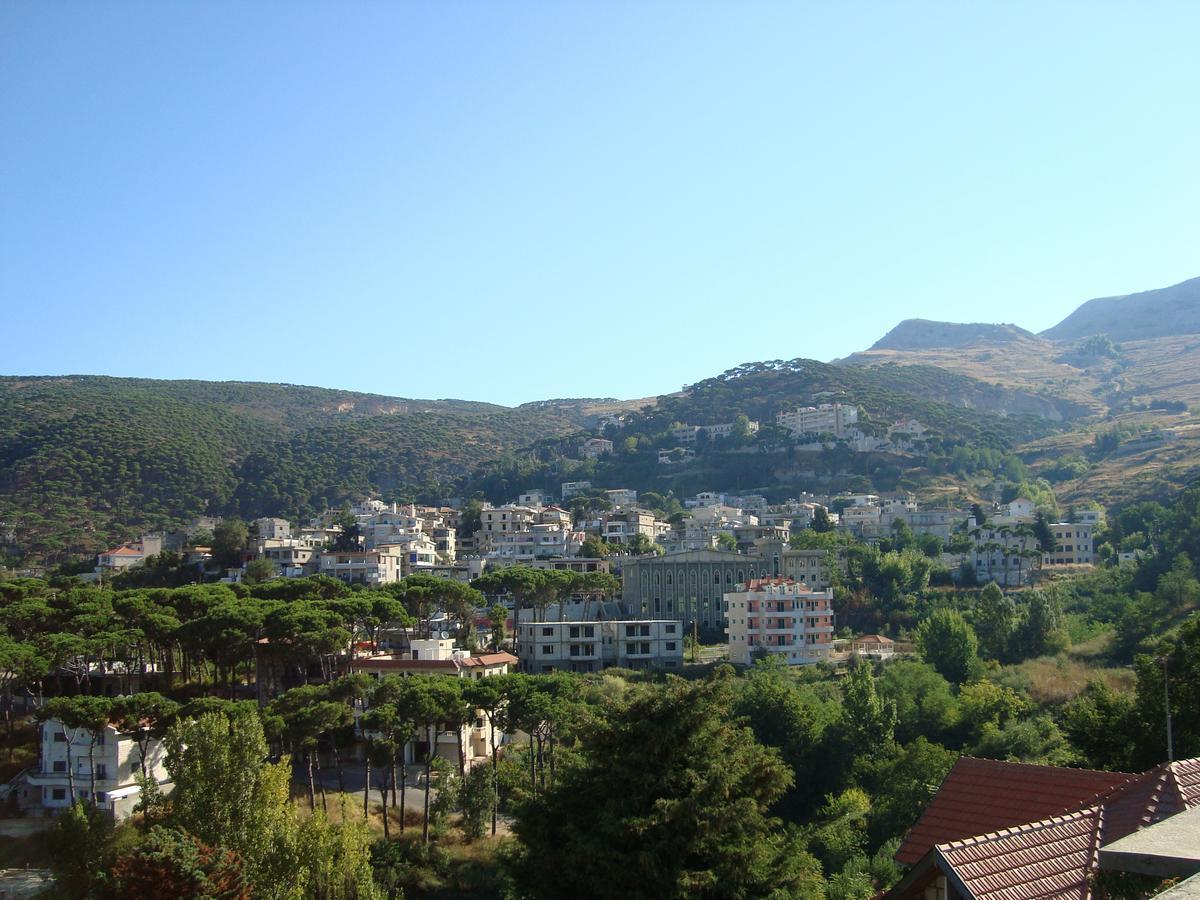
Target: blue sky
514	201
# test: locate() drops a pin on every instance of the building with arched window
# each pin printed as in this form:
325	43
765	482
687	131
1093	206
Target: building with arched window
689	585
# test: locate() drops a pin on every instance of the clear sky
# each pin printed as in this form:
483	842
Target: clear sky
511	201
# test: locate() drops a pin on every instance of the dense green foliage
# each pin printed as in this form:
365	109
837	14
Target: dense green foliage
85	460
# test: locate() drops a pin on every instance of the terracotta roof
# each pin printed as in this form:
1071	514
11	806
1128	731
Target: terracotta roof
490	659
124	551
1046	859
980	796
1151	797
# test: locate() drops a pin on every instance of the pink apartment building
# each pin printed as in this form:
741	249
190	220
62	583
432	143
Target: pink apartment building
779	616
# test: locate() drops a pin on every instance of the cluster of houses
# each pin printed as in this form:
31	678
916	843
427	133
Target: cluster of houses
394	540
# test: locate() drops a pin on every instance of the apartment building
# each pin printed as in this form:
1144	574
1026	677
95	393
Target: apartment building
622	526
1005	554
588	646
292	558
572	489
828	418
1073	544
781	617
269	528
814	568
596	447
473	740
65	763
380	566
688	585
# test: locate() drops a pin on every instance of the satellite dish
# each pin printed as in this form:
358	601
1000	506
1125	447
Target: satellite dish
445	635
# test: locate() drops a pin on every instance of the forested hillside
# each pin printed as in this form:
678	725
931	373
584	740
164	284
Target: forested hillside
86	460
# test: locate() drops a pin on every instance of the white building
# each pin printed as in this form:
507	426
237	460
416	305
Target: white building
64	760
535	497
782	617
592	645
621	496
380	566
575	489
828	418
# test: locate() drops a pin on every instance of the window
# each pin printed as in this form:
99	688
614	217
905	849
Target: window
60	765
631	648
630	630
574	631
670	645
645	648
59	737
574	650
547	632
670	629
589	631
101	770
59	794
645	631
547	649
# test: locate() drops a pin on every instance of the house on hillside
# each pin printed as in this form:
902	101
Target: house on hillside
64	764
470	742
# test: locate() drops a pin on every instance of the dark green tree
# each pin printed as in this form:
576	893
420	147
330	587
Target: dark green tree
687	820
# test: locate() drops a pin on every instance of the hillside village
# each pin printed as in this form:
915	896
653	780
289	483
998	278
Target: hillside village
945	649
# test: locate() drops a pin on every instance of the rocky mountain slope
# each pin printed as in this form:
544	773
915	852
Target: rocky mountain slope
1164	312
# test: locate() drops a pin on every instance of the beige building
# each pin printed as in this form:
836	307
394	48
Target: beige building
440	657
380	566
1073	544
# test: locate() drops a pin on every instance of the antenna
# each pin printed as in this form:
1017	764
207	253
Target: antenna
1167	705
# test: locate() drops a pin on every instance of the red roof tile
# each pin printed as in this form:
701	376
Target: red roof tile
1047	859
980	796
1151	797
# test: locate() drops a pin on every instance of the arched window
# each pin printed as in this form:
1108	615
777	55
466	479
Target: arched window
716	577
669	578
741	577
729	577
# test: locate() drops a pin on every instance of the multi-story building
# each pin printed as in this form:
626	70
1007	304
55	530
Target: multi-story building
622	526
574	489
472	740
812	567
1005	554
595	447
380	566
1072	544
621	496
588	646
65	762
781	617
689	585
535	497
828	418
292	558
270	528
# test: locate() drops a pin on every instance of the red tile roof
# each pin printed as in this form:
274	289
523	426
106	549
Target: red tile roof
1046	859
1151	797
984	795
1055	856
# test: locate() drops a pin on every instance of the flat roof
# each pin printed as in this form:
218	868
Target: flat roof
1165	849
